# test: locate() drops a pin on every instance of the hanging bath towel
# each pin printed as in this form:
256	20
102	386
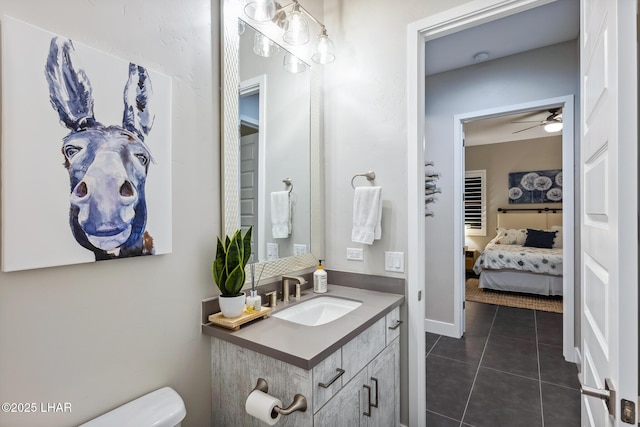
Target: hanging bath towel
280	215
367	215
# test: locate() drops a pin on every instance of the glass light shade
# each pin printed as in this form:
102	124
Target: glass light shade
324	52
296	28
553	127
263	46
293	64
261	10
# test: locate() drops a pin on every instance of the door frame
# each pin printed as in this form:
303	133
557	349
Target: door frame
250	86
456	19
568	207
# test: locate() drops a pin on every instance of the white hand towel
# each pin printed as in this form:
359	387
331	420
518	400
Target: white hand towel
280	215
367	215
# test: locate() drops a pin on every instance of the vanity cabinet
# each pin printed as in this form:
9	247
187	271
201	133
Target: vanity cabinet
360	381
371	398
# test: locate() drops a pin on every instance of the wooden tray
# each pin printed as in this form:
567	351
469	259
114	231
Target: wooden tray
234	323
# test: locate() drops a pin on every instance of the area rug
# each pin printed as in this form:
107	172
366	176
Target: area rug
511	299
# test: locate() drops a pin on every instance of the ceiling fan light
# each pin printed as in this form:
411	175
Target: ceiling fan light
553	127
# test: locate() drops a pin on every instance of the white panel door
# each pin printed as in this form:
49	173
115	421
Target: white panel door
249	198
609	239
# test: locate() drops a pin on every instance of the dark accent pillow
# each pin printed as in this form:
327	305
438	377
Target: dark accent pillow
539	238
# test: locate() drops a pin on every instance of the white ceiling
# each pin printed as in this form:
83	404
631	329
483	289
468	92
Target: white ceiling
542	26
501	129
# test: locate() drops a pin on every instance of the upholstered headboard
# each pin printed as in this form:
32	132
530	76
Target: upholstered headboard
541	221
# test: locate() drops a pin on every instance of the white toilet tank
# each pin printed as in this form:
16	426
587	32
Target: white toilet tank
160	408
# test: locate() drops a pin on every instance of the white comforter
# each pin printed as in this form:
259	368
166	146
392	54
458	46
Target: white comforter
521	258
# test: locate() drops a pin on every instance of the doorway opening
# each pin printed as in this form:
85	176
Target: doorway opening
566	104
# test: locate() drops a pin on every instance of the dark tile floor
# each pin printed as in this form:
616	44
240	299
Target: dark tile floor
507	370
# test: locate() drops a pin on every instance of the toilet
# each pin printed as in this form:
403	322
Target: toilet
160	408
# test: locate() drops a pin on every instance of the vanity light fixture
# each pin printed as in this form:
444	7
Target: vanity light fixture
264	46
261	10
554	126
323	52
293	64
295	26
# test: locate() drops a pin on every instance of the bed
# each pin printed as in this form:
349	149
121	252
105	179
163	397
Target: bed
506	264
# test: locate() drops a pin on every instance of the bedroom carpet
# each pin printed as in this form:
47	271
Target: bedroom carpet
511	299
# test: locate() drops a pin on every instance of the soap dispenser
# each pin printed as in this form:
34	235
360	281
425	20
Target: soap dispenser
320	280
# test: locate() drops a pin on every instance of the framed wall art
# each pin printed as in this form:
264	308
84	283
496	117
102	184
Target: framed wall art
535	187
86	153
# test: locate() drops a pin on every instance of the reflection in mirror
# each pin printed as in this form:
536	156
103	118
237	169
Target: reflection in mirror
274	117
282	150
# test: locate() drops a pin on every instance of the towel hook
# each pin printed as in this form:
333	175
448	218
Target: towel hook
289	183
371	175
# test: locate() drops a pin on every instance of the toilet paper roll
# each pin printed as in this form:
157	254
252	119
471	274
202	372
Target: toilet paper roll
260	405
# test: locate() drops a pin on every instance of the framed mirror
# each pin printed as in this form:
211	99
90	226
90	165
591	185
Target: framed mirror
271	163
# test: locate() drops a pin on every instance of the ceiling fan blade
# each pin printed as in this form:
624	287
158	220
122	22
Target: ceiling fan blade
528	121
522	130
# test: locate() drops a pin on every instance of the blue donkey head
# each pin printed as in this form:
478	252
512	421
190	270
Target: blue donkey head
107	165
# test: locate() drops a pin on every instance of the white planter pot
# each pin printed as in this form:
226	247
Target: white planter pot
232	306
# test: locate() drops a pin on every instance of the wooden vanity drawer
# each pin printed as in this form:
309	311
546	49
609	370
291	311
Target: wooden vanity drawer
324	373
358	352
393	325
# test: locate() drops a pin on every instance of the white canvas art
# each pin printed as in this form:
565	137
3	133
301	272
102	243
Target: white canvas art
86	153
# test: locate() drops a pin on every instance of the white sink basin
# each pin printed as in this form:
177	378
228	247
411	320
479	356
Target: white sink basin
318	311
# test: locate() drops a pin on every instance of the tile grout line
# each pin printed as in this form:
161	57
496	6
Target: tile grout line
535	322
464	413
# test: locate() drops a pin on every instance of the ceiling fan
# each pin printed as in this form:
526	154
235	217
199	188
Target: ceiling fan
552	123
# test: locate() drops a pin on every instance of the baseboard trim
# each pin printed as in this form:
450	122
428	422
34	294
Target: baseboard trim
441	328
578	360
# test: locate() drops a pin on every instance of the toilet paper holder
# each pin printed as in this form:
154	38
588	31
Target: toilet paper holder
299	401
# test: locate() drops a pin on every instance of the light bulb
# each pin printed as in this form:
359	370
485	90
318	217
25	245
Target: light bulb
324	52
296	28
293	64
261	10
553	127
263	46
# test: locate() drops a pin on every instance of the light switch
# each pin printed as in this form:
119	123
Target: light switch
394	261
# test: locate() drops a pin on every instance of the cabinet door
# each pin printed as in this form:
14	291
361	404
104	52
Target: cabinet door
384	380
346	407
393	323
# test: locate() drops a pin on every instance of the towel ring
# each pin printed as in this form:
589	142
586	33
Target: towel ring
371	175
289	183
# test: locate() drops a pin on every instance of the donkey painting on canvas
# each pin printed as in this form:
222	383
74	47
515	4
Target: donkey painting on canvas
107	164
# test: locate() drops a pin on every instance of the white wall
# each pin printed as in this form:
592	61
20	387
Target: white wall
365	128
101	334
366	120
539	74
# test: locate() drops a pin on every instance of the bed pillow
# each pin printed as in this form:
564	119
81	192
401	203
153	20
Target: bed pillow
539	238
510	236
557	242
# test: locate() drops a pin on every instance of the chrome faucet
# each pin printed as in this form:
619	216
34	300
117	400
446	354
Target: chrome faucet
285	286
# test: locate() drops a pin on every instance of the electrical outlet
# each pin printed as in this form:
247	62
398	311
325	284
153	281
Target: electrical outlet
299	249
355	254
394	261
272	252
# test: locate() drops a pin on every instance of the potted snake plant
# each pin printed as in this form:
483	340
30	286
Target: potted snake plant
228	271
